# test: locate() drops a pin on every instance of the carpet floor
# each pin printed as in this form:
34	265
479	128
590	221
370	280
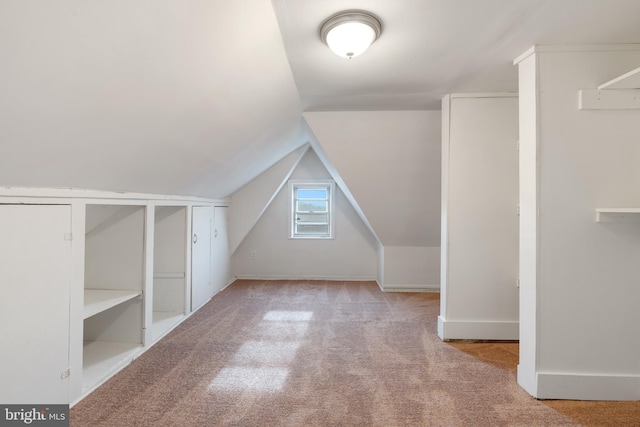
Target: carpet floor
315	353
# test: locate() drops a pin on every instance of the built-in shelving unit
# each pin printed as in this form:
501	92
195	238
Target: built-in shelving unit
126	284
169	261
114	284
618	215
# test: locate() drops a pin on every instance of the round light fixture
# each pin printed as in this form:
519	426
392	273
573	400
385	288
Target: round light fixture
351	32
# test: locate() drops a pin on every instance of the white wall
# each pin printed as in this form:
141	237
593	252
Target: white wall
351	255
480	221
390	161
580	332
411	268
248	202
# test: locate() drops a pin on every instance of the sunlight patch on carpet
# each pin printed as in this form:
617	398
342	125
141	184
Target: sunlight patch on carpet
239	378
291	316
266	353
263	365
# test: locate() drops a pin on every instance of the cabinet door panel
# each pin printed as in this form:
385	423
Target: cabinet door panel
35	266
220	256
201	287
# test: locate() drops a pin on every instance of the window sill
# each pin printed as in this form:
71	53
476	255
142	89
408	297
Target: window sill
311	238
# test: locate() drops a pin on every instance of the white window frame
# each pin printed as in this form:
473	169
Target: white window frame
294	184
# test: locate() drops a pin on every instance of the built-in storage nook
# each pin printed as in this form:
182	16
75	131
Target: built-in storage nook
93	280
113	287
169	271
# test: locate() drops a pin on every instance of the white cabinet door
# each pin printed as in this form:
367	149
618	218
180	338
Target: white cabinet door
35	266
201	285
220	255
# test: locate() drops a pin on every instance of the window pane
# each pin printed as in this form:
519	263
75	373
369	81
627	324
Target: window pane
312	212
311	206
316	218
316	230
312	193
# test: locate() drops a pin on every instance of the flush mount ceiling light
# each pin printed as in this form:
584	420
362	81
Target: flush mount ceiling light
351	32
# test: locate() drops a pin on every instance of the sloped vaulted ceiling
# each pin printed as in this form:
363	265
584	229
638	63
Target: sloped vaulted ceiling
172	97
197	97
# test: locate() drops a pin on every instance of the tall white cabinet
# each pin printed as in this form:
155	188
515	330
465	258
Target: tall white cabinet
35	260
91	280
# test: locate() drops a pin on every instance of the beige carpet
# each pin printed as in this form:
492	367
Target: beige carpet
312	353
588	413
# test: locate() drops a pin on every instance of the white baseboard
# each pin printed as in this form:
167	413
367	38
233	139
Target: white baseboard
477	330
411	288
298	277
560	385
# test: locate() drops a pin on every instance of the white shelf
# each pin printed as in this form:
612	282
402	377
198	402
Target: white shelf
163	321
99	300
169	275
618	215
630	80
102	359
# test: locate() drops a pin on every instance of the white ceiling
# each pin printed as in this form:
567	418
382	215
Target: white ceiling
198	97
172	97
432	47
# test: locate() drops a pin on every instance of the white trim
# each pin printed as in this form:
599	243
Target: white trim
75	193
527	380
411	288
311	183
477	330
573	386
609	99
308	277
622	47
527	53
484	95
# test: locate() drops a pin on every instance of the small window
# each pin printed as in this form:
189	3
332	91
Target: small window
311	209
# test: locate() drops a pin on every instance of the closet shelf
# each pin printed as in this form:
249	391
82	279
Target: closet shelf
618	215
168	275
630	80
99	300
